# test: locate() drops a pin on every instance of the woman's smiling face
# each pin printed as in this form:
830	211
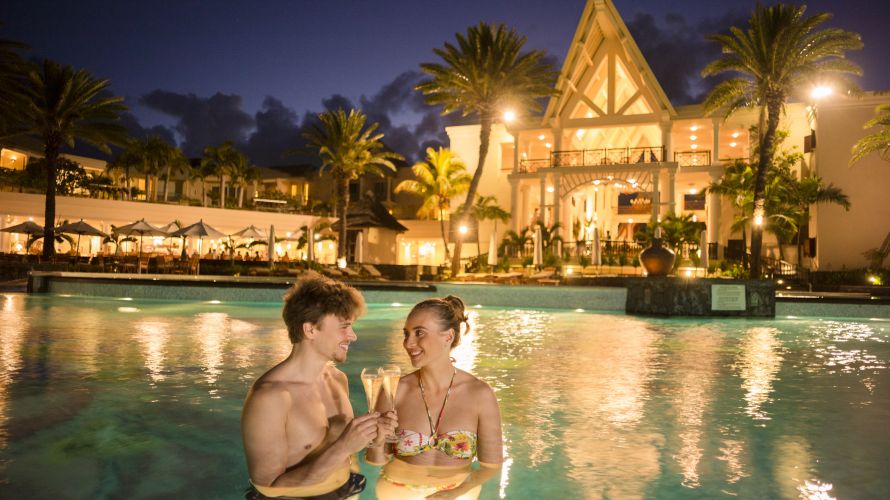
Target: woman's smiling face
425	340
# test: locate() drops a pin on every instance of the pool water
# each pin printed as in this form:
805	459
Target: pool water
106	398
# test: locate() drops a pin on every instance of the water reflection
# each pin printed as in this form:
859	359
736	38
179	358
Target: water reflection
12	333
794	468
211	332
605	373
153	336
759	362
696	368
465	353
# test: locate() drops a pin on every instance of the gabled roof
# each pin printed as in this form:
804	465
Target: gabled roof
599	26
368	212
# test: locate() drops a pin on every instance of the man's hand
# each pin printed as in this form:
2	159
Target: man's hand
360	433
386	426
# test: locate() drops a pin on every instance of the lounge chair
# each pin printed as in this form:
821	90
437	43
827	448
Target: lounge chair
350	273
545	277
373	272
508	278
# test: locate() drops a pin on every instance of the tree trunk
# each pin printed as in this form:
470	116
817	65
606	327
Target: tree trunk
51	154
774	104
167	183
203	192
127	181
240	196
222	191
147	187
342	205
484	139
442	227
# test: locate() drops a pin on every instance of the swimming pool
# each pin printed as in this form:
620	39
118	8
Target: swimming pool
108	398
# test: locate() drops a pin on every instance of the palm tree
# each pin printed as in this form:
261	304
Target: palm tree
13	83
176	163
876	142
219	161
781	53
126	160
64	105
442	177
243	174
811	191
480	76
486	208
516	241
348	150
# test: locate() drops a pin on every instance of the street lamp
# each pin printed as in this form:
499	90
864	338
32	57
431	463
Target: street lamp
820	92
509	116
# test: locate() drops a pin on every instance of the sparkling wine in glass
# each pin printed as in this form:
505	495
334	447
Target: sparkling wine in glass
371	381
391	374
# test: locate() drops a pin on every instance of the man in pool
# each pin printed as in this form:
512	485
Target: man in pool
299	431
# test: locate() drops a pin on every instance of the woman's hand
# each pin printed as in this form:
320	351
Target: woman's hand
386	426
360	433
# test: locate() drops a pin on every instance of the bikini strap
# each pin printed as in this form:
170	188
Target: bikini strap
434	431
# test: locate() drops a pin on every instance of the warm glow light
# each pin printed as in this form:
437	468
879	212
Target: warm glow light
550	189
509	116
694	218
695	146
693	137
735	135
463	229
693	128
820	92
596	182
733	144
579	133
630	221
758	220
632	181
548	145
341	262
541	137
688	273
693	191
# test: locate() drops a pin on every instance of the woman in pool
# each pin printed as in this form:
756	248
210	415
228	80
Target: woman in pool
447	417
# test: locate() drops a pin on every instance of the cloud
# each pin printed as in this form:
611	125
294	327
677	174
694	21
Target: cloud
201	121
677	51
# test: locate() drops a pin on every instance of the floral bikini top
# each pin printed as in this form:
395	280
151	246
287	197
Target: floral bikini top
457	444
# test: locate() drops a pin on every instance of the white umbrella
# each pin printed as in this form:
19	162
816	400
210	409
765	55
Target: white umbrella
250	232
597	251
359	248
703	246
80	228
493	249
538	259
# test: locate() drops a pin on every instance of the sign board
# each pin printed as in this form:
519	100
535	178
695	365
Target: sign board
728	298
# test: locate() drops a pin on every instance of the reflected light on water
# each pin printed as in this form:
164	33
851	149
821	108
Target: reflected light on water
758	364
505	471
153	336
465	353
696	367
605	374
11	338
212	330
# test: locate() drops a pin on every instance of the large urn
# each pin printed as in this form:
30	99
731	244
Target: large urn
657	260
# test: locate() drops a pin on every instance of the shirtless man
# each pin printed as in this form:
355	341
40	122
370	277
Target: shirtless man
299	431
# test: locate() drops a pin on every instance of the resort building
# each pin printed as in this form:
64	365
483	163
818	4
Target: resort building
611	153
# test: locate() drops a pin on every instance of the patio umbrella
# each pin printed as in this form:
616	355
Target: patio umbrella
538	259
80	228
493	249
141	228
170	229
703	246
597	251
27	227
200	230
250	232
359	248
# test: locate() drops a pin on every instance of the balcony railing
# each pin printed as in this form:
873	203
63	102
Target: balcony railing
589	157
699	158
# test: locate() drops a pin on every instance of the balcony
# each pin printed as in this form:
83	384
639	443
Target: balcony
591	157
698	158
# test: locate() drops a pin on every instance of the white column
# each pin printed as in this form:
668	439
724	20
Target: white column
655	194
522	218
714	203
672	192
515	152
514	205
666	141
715	150
557	139
543	199
556	199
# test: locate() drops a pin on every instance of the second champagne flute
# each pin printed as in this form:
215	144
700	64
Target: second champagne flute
391	374
371	381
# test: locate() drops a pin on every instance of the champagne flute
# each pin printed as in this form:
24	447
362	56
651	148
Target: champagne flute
391	374
371	381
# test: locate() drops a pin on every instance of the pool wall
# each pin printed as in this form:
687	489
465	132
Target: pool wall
251	289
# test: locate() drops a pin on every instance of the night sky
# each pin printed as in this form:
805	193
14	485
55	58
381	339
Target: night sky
200	72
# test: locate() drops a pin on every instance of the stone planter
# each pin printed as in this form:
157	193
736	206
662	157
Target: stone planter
657	260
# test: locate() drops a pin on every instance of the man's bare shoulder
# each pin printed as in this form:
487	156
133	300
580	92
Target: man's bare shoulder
336	375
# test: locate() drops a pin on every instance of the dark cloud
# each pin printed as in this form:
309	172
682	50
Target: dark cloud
277	131
677	51
202	121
